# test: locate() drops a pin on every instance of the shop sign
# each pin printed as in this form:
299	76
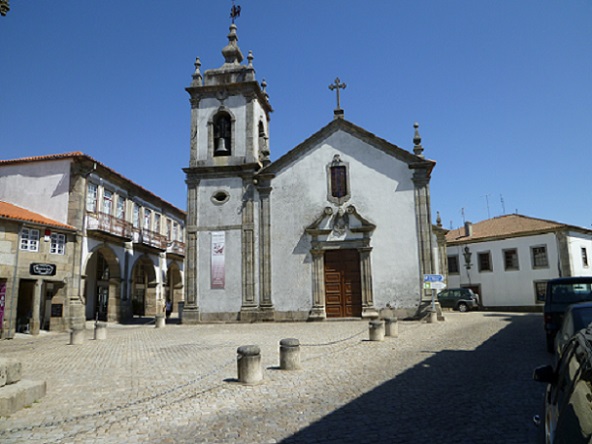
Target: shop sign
42	269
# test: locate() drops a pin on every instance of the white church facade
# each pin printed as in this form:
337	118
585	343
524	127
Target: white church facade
338	227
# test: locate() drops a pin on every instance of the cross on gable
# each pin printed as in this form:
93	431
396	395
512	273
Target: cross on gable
336	86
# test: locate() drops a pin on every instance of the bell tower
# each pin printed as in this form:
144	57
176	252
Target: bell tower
230	114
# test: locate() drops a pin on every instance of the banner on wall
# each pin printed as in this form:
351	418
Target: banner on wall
2	302
217	267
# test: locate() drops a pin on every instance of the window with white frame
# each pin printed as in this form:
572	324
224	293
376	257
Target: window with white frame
92	193
175	231
539	256
157	222
136	216
511	259
29	239
484	261
169	232
453	264
121	208
108	202
58	244
147	218
585	257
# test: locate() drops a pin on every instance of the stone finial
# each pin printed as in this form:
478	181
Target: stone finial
231	52
250	59
264	88
197	78
438	220
417	148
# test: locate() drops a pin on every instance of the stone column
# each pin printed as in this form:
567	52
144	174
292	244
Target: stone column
368	310
318	280
34	323
421	181
249	302
191	308
265	301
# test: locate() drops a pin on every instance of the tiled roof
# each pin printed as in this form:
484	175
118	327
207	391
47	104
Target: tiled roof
39	158
510	225
12	212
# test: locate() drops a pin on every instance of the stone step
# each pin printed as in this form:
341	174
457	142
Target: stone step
10	371
21	394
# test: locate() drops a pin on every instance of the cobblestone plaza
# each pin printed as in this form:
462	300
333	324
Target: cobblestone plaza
464	380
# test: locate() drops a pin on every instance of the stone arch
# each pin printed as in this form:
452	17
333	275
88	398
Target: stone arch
102	285
174	286
221	133
144	284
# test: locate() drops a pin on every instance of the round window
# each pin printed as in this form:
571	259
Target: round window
220	197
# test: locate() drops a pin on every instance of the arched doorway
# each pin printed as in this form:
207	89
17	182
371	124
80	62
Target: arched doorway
102	285
144	288
174	286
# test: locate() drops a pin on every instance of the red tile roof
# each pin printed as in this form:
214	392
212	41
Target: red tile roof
18	214
510	225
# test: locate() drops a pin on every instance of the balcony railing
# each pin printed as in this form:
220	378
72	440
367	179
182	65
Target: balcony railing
107	223
150	238
176	247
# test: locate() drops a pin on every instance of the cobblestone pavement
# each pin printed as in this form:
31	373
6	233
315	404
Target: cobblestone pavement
465	380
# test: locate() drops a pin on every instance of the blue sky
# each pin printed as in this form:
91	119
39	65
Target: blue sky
502	90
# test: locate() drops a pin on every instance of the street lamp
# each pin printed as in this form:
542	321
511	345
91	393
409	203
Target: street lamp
4	7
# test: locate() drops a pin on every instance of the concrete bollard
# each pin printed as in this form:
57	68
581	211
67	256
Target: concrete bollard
432	317
290	354
391	327
159	321
76	336
100	331
376	330
249	367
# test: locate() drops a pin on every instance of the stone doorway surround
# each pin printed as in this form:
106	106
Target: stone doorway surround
341	229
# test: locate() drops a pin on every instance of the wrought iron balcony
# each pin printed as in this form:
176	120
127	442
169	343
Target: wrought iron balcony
150	238
176	247
107	223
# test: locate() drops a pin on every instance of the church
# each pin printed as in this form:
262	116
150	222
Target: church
338	227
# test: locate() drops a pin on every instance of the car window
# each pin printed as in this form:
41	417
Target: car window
582	318
574	424
565	372
571	293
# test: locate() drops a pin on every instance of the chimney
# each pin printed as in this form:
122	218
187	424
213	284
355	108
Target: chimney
468	229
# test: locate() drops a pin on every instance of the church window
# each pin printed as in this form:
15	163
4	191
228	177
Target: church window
222	134
220	197
338	181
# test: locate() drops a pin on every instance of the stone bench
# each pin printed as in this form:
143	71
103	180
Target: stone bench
16	393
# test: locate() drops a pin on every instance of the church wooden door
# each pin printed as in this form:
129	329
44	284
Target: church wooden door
343	294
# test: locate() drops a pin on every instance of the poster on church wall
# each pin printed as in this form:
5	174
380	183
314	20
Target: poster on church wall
217	268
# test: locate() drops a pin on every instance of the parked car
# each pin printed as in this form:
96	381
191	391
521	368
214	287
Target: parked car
577	316
461	299
568	398
561	293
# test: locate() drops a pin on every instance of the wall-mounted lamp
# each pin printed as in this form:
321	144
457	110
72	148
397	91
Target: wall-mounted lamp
467	255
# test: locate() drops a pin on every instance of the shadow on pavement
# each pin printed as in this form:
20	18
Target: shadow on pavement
481	396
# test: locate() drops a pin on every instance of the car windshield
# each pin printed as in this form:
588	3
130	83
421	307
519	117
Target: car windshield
571	293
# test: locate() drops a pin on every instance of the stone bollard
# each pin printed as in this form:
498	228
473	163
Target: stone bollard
248	360
391	327
290	354
76	336
159	321
432	317
376	330
100	331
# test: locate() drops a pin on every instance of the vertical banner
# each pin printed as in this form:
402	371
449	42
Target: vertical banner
217	265
2	302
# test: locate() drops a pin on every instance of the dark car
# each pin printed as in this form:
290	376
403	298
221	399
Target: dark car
568	399
461	299
576	317
561	293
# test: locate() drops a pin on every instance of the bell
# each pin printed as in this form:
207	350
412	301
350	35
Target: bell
221	147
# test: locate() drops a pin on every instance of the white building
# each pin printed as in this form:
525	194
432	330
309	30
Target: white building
337	227
120	252
507	260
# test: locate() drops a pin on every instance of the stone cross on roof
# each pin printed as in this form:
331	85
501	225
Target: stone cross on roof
337	85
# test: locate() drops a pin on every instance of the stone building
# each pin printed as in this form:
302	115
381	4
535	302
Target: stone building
113	249
337	227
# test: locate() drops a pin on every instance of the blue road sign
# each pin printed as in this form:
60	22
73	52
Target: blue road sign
433	278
